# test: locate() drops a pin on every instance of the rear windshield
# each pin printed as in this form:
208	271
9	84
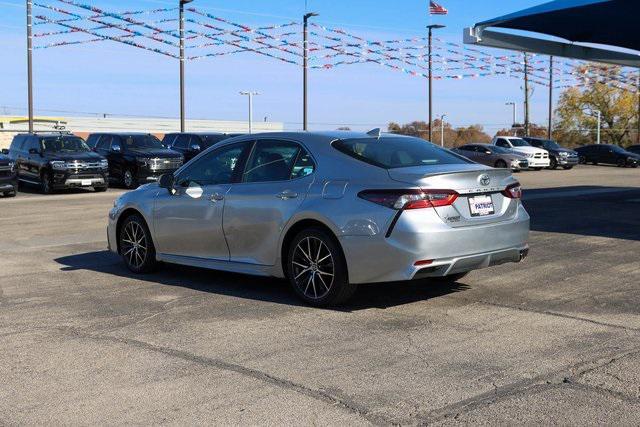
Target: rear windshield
395	152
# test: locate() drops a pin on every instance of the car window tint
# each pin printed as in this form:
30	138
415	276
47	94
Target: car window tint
216	167
467	148
271	161
397	152
502	143
303	166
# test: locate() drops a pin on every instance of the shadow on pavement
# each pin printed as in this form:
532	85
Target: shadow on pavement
612	212
380	295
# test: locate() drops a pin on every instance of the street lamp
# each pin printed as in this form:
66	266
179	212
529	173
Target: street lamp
442	129
515	114
305	56
181	21
30	63
431	28
250	95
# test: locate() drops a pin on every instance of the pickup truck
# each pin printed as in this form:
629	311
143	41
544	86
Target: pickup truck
538	158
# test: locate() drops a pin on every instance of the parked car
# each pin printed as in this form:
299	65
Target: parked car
136	158
56	161
191	144
8	175
558	156
327	210
607	154
635	149
538	158
492	155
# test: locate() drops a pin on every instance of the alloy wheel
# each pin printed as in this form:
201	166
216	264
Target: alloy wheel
313	268
134	244
128	179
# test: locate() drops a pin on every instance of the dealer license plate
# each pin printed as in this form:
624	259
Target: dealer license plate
481	205
85	182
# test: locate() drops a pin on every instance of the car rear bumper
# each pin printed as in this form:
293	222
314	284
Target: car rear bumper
443	249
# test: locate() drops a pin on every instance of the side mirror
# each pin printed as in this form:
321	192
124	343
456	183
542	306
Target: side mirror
116	148
5	151
195	147
166	181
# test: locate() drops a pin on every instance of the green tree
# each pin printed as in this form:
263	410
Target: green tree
577	109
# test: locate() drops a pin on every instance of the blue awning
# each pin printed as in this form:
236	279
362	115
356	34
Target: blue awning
611	23
607	22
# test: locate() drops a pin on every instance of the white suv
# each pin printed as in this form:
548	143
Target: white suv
538	158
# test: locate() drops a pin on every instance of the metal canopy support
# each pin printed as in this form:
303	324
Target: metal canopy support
482	37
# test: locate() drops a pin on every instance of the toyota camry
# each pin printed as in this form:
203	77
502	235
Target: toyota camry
326	210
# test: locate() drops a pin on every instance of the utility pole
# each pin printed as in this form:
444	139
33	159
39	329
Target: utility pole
431	28
305	66
550	125
181	20
442	129
599	121
526	95
250	95
30	62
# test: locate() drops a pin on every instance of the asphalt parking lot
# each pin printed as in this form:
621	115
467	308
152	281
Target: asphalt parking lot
555	339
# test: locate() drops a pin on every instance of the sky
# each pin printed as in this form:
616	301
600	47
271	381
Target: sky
115	79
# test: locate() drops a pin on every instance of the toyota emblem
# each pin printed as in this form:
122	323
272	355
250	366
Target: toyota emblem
484	180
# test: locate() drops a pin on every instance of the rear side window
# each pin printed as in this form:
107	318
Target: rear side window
396	152
271	161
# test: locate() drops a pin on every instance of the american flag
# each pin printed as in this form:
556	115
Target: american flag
436	9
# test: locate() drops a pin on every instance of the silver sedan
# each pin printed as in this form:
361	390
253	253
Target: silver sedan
328	211
492	155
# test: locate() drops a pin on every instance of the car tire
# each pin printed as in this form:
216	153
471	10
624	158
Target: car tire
129	179
46	187
634	165
317	270
622	163
582	160
136	246
553	163
9	194
501	164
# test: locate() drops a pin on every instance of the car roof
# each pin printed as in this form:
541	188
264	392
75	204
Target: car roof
122	133
197	133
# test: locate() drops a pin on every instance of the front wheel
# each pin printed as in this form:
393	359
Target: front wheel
553	163
136	245
129	180
622	163
582	160
501	164
46	186
316	269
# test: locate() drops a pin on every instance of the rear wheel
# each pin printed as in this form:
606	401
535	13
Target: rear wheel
317	270
501	164
553	163
46	186
136	246
622	163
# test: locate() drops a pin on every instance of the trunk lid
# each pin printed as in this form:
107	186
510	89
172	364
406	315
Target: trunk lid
476	185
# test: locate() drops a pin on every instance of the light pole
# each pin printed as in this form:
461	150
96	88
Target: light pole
442	129
30	62
549	130
515	113
250	95
305	55
599	120
431	28
182	3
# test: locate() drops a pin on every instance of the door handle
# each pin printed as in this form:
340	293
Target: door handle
216	197
286	195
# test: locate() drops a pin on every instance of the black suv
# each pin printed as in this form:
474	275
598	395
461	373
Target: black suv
55	161
558	156
135	158
607	154
193	143
8	175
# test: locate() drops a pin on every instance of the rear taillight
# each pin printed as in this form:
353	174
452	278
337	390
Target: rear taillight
514	191
410	199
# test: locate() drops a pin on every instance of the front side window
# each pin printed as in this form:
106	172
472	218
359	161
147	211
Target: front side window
397	152
142	141
62	144
216	167
503	143
271	161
